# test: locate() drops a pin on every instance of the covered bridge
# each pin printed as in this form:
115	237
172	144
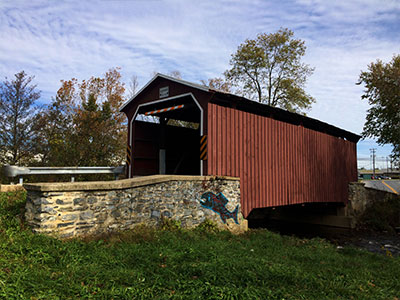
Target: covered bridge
282	158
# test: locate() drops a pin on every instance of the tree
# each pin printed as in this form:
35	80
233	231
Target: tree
95	140
176	74
18	114
54	127
83	125
133	86
269	69
218	84
382	91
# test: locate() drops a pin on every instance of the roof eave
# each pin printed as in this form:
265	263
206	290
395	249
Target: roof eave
187	83
302	118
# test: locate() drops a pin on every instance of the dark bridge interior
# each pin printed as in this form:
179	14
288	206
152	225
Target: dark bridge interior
170	146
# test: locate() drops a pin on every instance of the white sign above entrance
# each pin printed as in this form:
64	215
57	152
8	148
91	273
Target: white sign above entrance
164	92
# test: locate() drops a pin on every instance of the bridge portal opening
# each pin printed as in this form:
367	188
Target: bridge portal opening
165	137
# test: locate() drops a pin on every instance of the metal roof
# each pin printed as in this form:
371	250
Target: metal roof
241	103
280	114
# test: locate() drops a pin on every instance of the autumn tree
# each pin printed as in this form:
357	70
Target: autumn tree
18	114
54	127
269	69
382	91
99	126
84	125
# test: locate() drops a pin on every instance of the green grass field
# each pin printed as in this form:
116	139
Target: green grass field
182	264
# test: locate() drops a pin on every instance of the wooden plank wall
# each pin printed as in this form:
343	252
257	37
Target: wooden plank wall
278	163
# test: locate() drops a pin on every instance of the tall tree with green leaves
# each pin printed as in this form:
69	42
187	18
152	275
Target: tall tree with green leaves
382	91
18	115
269	69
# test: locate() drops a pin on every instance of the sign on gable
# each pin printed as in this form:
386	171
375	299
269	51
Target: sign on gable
164	92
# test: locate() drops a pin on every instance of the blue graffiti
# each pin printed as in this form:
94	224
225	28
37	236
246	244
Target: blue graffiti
217	203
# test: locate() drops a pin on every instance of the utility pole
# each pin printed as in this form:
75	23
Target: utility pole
387	164
373	150
383	163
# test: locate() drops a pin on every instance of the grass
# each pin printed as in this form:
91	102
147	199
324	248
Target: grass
183	264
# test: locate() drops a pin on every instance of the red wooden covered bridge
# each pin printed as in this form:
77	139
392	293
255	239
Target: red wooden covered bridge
282	158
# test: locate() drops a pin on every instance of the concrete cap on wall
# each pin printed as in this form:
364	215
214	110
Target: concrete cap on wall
118	184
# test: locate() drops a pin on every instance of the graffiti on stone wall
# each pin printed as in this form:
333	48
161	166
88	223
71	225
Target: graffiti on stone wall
217	203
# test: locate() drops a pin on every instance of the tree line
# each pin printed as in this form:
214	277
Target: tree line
82	126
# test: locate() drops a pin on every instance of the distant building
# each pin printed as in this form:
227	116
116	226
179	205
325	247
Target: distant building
379	174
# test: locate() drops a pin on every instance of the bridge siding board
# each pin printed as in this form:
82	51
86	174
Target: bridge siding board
278	163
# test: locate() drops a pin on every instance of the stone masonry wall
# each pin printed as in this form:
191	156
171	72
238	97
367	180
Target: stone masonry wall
86	208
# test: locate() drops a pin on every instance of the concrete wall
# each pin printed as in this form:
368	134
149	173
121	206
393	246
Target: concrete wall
362	199
85	208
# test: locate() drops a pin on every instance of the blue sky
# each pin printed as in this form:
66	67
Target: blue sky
56	40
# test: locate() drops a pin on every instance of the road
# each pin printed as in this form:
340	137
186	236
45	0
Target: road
387	185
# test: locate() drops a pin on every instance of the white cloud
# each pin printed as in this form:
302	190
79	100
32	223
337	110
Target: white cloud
61	40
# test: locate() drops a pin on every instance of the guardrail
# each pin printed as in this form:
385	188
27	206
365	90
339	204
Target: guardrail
15	171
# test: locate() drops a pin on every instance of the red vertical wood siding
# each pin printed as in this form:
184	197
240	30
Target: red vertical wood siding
278	163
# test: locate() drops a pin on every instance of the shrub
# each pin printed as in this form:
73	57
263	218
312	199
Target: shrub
208	226
168	224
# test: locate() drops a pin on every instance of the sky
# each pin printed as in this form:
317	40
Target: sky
55	40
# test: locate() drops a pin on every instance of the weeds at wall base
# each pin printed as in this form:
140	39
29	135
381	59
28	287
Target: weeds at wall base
168	224
208	226
382	215
144	233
